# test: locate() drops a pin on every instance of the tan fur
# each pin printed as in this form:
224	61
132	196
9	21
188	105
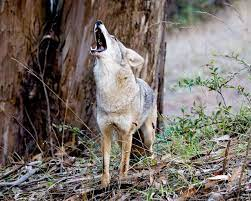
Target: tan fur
124	103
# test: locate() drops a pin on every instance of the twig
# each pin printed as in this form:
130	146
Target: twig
87	178
59	181
40	149
164	23
46	94
241	61
244	162
214	16
63	134
224	102
29	183
32	125
236	10
10	172
226	157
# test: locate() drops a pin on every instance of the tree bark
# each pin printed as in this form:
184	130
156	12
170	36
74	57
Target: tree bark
18	36
55	44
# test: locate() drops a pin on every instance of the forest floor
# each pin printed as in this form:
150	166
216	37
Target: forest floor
201	154
216	174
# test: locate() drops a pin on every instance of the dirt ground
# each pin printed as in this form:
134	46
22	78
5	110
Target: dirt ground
189	48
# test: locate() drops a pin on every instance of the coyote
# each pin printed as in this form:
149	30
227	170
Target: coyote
124	103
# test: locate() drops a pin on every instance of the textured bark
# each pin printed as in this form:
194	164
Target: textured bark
68	66
18	32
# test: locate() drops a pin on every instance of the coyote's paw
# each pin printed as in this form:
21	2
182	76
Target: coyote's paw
105	180
122	176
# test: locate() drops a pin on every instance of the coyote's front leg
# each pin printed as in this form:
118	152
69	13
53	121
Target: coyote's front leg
106	149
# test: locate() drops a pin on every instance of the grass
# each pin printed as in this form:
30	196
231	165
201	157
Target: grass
191	134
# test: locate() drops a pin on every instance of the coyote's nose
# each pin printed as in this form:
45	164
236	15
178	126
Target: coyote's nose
99	22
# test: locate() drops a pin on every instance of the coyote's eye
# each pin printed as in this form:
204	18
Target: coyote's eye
114	37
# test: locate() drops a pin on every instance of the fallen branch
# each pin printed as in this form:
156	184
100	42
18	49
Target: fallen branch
21	179
87	178
11	172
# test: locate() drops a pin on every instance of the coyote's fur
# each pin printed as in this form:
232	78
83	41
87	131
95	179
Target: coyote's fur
124	103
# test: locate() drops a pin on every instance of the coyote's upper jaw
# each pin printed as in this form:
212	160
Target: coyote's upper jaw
100	35
101	44
107	46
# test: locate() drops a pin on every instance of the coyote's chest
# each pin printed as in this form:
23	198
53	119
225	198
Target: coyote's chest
116	87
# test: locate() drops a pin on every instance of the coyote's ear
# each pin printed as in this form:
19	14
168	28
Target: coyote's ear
134	59
131	57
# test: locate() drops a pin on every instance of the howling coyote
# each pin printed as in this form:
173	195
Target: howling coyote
124	103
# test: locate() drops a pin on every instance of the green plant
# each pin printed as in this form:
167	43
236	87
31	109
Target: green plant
190	134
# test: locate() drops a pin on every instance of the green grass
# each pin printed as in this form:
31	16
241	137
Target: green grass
191	134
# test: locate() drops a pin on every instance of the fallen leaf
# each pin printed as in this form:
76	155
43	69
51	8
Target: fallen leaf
69	161
124	197
166	157
72	198
151	179
248	187
157	185
219	177
61	152
163	180
190	192
221	138
234	179
216	197
37	157
210	184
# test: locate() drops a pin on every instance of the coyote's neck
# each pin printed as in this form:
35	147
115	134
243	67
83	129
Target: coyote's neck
116	85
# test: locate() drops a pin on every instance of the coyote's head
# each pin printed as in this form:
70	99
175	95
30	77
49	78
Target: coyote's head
108	47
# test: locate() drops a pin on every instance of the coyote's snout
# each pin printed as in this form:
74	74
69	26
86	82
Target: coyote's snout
124	103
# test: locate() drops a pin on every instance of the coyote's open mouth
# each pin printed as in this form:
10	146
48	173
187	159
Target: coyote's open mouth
100	41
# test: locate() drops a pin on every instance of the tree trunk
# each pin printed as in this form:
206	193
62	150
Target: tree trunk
18	37
53	41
